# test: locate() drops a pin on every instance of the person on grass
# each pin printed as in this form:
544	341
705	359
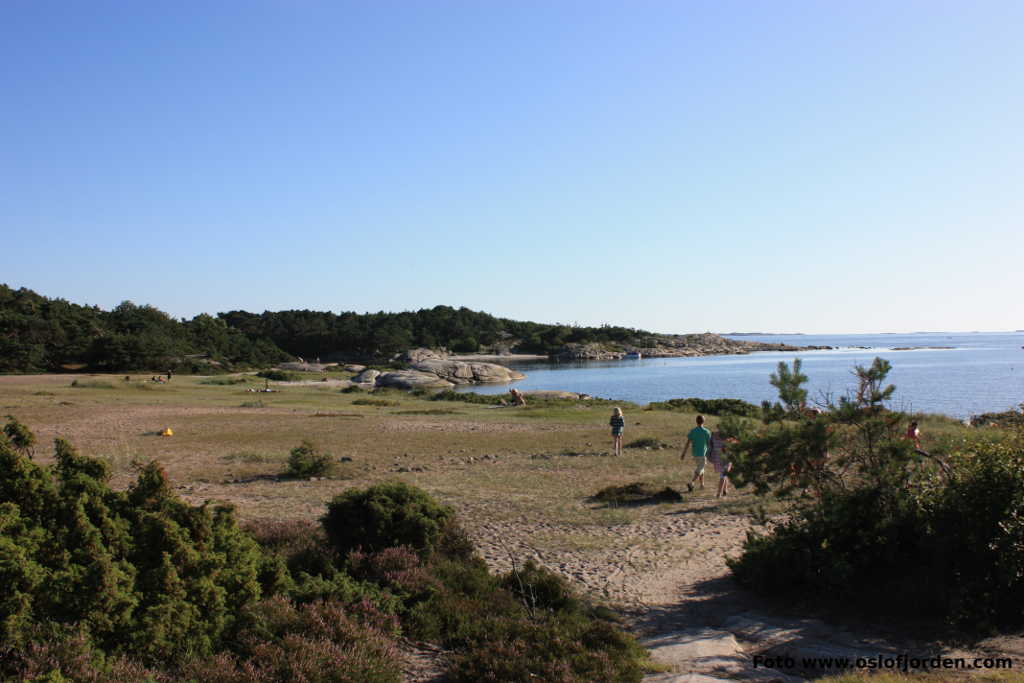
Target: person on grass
914	435
719	458
699	439
618	423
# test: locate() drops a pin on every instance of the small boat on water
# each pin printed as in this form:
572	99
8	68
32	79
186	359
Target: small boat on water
633	355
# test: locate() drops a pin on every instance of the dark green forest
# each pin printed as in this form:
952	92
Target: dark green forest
40	334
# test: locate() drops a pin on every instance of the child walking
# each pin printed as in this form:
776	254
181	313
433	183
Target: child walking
618	423
720	460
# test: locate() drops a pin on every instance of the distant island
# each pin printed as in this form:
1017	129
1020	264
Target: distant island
764	334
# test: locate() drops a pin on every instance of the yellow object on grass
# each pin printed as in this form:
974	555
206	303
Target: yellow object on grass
167	432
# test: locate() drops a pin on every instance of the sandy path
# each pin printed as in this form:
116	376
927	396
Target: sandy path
643	567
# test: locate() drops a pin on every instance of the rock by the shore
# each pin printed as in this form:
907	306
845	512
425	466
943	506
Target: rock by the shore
413	356
412	379
673	346
707	344
587	352
366	377
353	367
461	372
554	394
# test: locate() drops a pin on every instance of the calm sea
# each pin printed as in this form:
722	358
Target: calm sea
981	372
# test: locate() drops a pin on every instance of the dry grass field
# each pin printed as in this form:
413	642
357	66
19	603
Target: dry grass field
522	479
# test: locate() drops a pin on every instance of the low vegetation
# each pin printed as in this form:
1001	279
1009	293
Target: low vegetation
306	460
138	585
647	442
1007	418
880	523
376	402
280	375
637	493
711	406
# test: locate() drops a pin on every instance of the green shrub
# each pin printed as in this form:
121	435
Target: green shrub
306	460
888	528
378	402
223	381
469	397
280	375
713	406
142	572
21	437
386	515
637	493
540	589
646	442
91	384
354	389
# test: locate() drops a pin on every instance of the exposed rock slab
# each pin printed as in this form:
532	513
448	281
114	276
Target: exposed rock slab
548	393
705	654
461	372
699	649
366	377
414	356
412	379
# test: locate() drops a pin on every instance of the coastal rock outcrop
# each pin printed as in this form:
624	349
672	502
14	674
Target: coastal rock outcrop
413	356
461	372
366	377
550	393
412	379
587	352
707	344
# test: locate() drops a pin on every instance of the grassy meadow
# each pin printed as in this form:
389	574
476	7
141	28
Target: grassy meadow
539	462
529	472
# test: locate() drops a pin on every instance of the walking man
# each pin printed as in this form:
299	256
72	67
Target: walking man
700	438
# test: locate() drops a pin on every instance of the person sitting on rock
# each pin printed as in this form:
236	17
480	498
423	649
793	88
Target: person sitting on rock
518	396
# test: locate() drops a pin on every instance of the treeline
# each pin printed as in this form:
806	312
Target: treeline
39	334
315	333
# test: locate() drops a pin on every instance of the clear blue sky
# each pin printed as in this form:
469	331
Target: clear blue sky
677	166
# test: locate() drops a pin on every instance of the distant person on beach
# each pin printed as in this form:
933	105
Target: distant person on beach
699	438
914	435
618	423
168	375
518	396
720	461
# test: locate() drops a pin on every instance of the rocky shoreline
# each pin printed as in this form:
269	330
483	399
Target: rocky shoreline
431	369
676	346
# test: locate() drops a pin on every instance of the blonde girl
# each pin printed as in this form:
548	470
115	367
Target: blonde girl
618	423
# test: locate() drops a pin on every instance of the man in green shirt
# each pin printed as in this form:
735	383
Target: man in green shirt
700	438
